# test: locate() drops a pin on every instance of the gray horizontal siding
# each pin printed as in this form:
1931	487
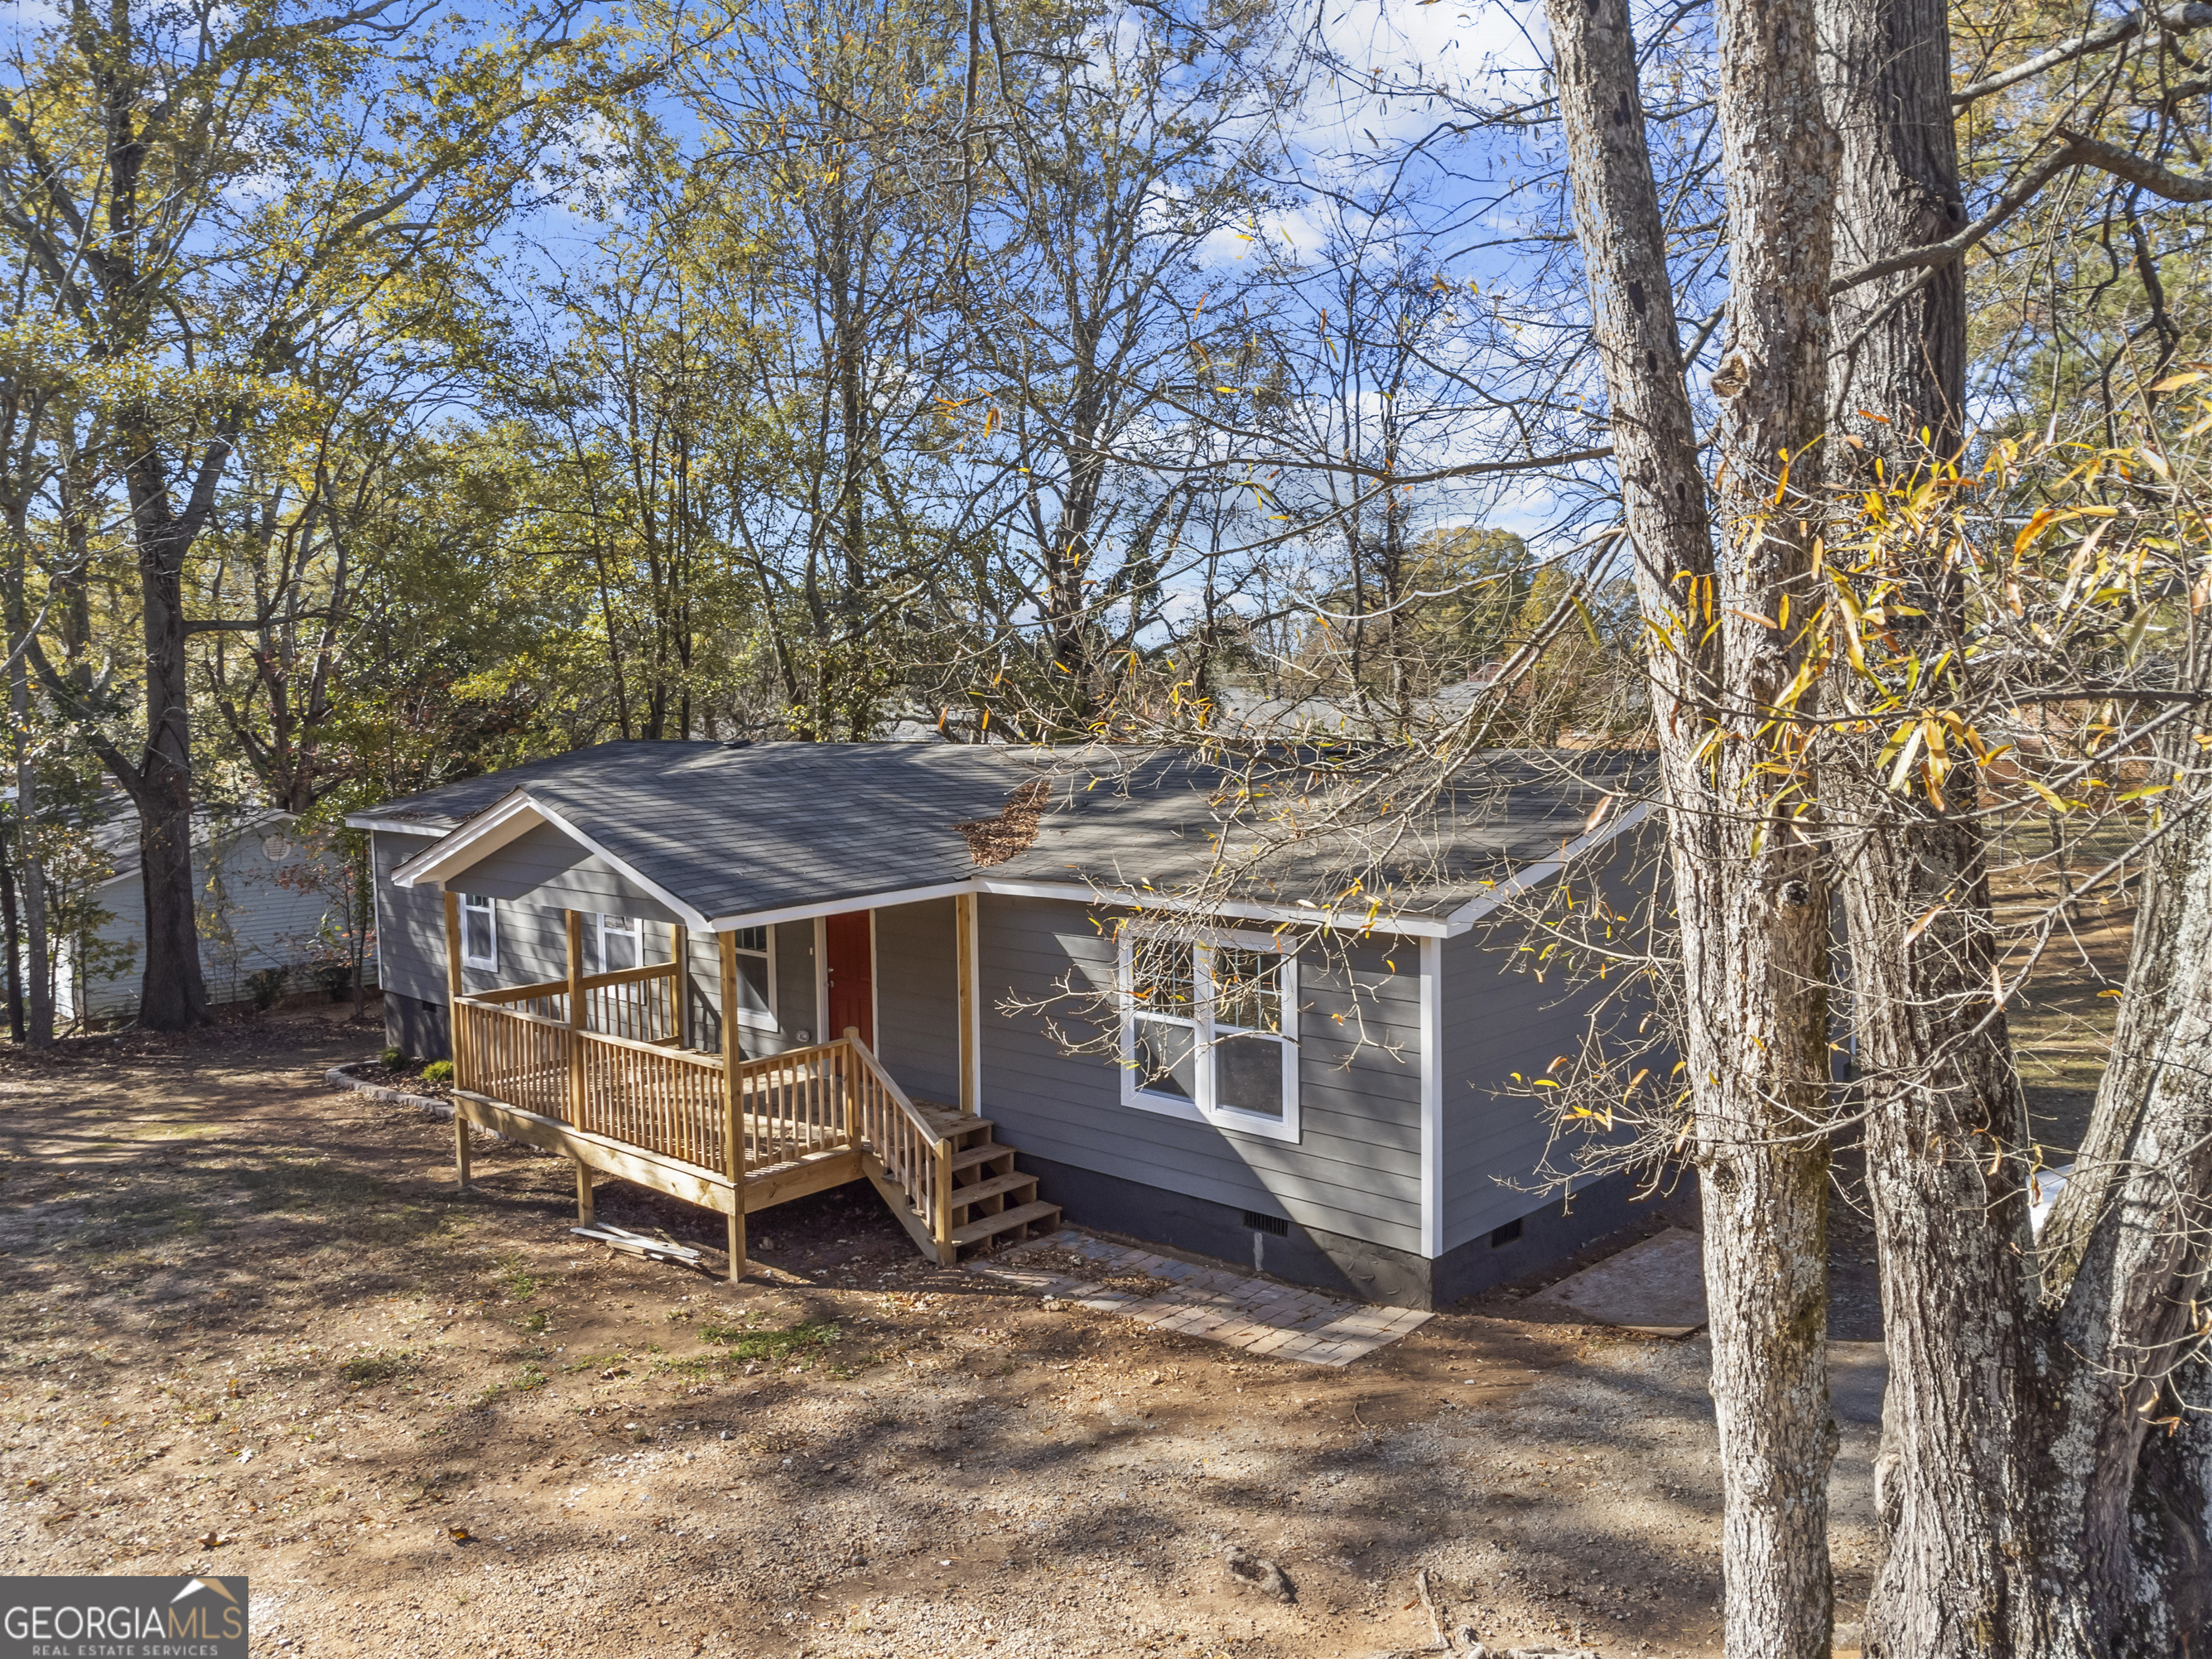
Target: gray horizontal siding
1355	1169
791	961
1495	1022
1497	1019
918	998
410	924
544	866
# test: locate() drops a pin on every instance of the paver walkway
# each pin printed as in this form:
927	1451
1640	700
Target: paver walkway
1256	1315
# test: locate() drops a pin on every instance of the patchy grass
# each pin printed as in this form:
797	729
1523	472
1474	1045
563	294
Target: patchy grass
751	1342
514	1279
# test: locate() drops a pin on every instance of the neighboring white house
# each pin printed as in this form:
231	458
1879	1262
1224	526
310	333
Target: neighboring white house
259	904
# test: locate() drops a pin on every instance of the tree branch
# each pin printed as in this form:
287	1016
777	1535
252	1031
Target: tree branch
2076	151
2180	19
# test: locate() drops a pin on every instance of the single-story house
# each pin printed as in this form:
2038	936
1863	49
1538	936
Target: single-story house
261	897
996	982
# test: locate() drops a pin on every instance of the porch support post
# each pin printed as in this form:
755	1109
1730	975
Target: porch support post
733	1128
680	984
461	1073
971	1022
575	921
583	1191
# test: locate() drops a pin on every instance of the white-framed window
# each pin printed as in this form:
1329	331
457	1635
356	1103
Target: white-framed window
479	932
621	944
755	954
1210	1028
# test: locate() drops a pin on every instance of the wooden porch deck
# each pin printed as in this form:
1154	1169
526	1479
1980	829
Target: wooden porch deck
593	1068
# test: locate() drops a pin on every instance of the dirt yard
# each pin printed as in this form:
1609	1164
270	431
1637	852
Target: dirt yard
249	1327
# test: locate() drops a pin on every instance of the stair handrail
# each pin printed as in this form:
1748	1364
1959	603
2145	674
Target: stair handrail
936	1202
890	1085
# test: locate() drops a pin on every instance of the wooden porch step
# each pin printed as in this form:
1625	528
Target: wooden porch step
991	1226
963	1196
968	1157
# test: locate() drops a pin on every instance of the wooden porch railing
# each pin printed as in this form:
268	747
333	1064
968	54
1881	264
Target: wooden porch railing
916	1158
791	1106
637	1003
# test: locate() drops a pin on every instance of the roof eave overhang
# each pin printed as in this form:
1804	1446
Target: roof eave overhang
396	826
1476	909
810	909
509	820
1302	915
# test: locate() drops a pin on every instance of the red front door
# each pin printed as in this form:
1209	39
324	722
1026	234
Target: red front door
848	946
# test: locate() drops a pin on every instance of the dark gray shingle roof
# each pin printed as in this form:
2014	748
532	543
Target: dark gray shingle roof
746	831
1164	820
742	831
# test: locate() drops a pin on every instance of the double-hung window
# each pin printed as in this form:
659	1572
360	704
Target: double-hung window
756	978
479	932
1210	1030
620	945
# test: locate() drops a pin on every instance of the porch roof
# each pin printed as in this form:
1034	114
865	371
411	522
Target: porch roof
729	835
732	836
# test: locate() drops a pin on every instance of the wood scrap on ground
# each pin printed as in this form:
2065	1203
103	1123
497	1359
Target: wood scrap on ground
630	1243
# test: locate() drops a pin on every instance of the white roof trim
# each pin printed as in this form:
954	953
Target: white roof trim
1529	875
837	906
487	832
1302	915
393	826
510	820
692	918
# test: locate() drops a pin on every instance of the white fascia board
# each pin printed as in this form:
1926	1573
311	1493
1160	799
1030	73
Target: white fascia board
692	917
1355	921
1433	1097
1526	877
393	826
485	833
837	906
511	820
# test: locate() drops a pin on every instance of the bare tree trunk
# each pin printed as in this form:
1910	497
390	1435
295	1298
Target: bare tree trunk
1901	342
2126	1259
2014	1480
39	1031
11	929
173	995
1766	1168
1747	876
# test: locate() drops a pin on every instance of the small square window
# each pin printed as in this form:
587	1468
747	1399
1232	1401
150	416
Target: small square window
479	932
756	978
620	947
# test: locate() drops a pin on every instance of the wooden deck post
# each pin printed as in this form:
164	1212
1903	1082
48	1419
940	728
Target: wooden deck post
576	930
454	988
849	1085
733	1128
583	1191
971	1030
940	1225
680	984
